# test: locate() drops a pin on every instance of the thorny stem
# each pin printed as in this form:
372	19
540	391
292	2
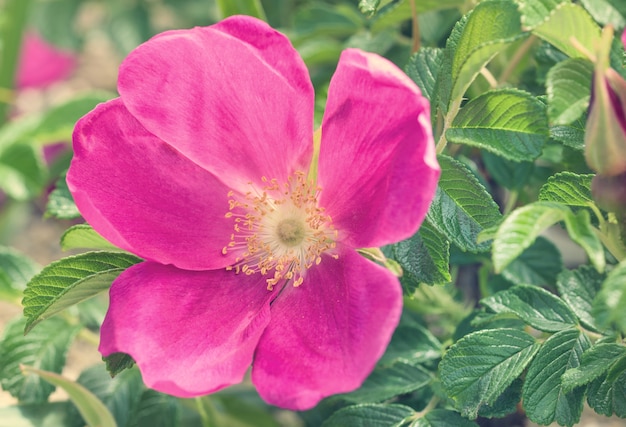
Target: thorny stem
519	54
415	29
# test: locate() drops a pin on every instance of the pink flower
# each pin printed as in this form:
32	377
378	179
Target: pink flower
41	63
205	167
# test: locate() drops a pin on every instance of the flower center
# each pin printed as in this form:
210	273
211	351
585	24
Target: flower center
280	231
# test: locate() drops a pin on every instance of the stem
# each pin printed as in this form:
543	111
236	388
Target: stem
415	29
517	58
452	112
493	83
205	409
14	17
510	202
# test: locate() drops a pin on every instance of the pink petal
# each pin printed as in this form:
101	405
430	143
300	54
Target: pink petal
327	334
144	196
42	63
377	166
191	333
235	97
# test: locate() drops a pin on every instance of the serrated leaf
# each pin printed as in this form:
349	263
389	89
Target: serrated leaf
424	258
535	306
578	288
117	362
412	344
93	410
490	27
83	236
478	368
607	394
46	348
370	415
462	207
568	87
16	270
544	399
520	229
572	135
568	188
400	11
608	306
581	231
423	68
595	362
61	203
443	418
507	122
505	404
567	20
535	12
538	265
71	280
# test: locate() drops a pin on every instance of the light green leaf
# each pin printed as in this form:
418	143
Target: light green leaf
462	207
507	122
578	288
544	399
568	87
608	306
572	136
83	236
607	11
535	12
538	265
71	280
595	362
400	11
520	229
479	367
569	20
535	306
241	7
568	188
22	172
61	203
443	418
93	410
423	68
490	27
46	348
582	232
16	270
370	415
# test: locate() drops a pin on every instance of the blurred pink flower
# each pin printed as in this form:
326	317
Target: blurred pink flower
41	63
206	168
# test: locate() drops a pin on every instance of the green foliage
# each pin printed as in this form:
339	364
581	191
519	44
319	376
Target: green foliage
370	415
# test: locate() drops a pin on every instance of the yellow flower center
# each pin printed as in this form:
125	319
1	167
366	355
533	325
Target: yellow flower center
279	230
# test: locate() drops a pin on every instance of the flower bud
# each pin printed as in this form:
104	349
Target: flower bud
605	136
609	192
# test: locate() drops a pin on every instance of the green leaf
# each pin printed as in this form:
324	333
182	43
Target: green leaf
423	68
93	410
52	414
508	122
424	258
520	229
572	136
567	20
491	26
318	19
568	87
607	11
61	203
71	280
535	12
400	11
370	415
578	288
607	394
608	306
538	265
117	362
505	404
544	399
462	207
478	368
582	232
386	382
83	236
46	348
241	7
158	410
595	362
535	306
22	172
568	188
412	344
443	418
16	270
507	173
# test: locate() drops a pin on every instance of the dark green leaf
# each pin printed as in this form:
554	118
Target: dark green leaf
505	404
443	418
400	11
536	306
507	173
544	399
568	87
423	68
61	203
508	122
156	410
538	265
462	207
478	368
71	280
578	288
608	306
412	344
607	395
595	362
567	188
46	348
370	415
117	362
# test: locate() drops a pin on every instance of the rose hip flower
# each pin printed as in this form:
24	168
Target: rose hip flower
205	167
42	63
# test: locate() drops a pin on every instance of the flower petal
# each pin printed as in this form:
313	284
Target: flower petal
191	333
327	334
41	63
235	97
145	197
377	163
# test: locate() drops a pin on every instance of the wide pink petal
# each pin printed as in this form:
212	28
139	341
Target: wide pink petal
191	333
235	97
377	166
144	196
327	334
41	63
